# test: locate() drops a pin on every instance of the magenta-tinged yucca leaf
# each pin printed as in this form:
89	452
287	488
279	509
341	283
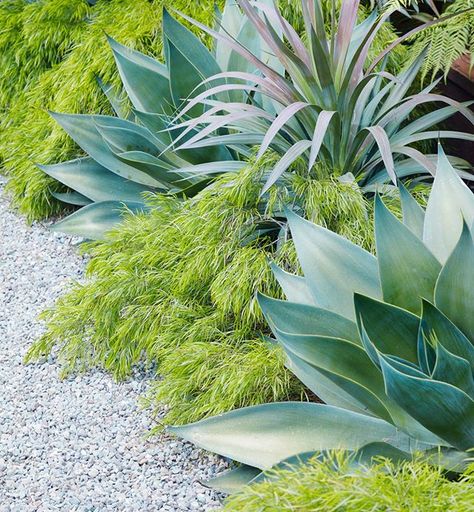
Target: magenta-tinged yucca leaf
371	135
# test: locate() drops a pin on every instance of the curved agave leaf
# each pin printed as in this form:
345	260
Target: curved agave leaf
294	287
258	436
346	364
393	330
189	46
436	324
232	480
450	201
408	271
184	79
145	79
95	182
445	410
83	129
453	370
73	198
322	386
306	319
413	213
454	294
334	268
95	220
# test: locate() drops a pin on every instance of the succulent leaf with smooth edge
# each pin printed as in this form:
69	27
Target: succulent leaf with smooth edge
128	156
410	371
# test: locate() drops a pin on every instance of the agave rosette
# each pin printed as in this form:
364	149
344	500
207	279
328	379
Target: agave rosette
129	155
329	105
386	342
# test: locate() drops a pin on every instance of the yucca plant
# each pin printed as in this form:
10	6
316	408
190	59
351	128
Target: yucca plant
387	342
332	107
130	154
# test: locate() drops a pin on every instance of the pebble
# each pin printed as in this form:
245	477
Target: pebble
76	445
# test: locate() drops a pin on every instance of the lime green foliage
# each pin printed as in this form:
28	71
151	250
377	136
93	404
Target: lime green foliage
178	287
413	486
50	54
71	39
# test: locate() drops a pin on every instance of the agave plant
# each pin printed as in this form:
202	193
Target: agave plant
130	154
387	343
331	106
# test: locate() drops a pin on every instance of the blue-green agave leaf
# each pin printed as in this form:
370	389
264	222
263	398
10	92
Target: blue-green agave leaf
450	202
454	370
73	198
393	330
408	271
259	436
95	182
334	268
343	362
189	46
445	410
95	220
436	324
413	213
292	317
83	129
233	480
294	287
145	79
322	386
454	294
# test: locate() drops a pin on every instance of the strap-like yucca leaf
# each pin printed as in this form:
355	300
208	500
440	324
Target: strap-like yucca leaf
322	123
280	121
286	161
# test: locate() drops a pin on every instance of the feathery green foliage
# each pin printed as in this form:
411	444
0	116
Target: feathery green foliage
178	287
446	41
28	134
386	487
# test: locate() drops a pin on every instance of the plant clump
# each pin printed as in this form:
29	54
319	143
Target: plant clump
178	287
384	487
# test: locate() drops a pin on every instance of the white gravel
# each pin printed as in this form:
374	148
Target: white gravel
75	445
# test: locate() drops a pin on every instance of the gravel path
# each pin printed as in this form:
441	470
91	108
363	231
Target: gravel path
76	445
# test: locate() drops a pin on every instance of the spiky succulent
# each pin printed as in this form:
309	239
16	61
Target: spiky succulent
331	106
387	342
131	154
